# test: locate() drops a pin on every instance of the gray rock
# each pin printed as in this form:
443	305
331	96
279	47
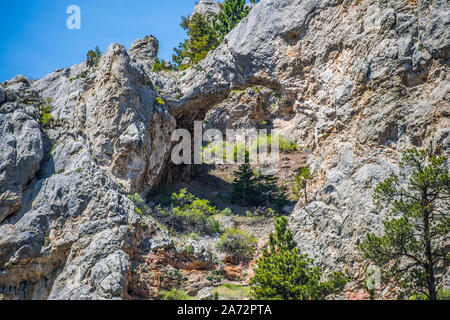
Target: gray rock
71	224
207	8
11	95
62	88
434	27
21	151
205	294
145	50
355	95
71	221
2	95
133	142
288	209
18	83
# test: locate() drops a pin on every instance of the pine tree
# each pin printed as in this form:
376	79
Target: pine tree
269	192
244	185
283	273
416	230
301	183
252	188
202	38
233	11
205	33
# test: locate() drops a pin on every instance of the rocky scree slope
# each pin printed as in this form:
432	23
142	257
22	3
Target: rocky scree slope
361	82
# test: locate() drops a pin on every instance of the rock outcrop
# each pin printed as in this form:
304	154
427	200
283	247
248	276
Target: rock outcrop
145	50
207	8
21	151
129	133
69	228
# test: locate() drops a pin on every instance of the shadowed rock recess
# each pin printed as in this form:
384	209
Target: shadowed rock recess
361	81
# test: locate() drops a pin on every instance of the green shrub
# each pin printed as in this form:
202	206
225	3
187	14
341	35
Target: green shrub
46	118
160	65
189	214
141	208
189	249
288	145
264	212
227	212
160	101
238	243
137	199
443	294
82	74
194	236
174	294
226	151
264	143
301	183
230	291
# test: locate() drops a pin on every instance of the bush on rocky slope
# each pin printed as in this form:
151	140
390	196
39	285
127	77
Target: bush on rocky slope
239	244
301	184
46	118
160	65
174	294
93	57
264	143
187	214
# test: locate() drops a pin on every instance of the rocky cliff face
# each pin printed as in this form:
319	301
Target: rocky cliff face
67	228
364	81
358	81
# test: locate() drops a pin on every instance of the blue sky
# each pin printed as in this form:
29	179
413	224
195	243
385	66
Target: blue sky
34	39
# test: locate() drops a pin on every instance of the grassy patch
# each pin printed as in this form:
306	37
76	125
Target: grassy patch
173	294
81	75
264	143
232	292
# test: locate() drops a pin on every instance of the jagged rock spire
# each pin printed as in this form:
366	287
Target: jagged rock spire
207	7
